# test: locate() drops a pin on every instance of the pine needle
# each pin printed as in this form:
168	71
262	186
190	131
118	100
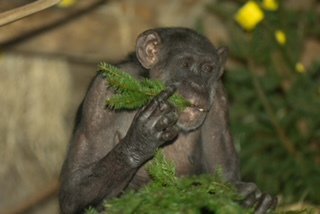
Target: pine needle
131	93
170	194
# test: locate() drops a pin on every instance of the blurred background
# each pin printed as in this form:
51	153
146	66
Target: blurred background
272	78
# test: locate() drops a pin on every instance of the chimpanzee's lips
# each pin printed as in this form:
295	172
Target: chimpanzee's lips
194	104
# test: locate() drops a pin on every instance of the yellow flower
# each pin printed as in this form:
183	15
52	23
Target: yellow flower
66	3
300	68
280	37
270	5
249	15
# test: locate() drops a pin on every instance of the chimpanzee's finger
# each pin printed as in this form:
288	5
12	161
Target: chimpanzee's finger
170	133
158	101
167	120
264	203
164	95
274	203
246	189
249	201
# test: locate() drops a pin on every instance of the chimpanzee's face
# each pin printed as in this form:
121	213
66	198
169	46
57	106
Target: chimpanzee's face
195	73
188	60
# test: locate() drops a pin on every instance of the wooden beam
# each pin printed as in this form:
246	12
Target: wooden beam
15	14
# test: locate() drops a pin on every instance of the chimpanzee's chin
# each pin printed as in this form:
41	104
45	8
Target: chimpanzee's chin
191	119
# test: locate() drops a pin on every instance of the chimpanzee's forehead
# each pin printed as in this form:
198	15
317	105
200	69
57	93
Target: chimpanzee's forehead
192	48
188	42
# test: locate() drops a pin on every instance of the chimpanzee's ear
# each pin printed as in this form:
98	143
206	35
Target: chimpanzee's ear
147	48
223	55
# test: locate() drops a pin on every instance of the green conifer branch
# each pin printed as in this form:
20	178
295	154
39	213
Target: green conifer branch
161	170
170	194
133	94
118	79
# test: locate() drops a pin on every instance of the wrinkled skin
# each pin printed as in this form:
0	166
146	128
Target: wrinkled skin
109	149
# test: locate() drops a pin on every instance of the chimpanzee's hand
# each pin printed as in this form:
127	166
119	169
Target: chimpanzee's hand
261	202
152	126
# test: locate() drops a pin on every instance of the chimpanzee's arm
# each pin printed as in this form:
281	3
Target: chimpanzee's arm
91	172
94	169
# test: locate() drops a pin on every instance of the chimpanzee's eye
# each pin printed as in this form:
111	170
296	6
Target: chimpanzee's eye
206	67
186	63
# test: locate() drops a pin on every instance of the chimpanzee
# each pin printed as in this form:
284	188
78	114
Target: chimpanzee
109	149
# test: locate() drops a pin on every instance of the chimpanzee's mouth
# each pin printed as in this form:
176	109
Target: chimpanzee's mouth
192	117
196	103
199	108
202	110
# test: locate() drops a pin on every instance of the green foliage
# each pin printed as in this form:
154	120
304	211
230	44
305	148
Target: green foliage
91	210
162	171
275	109
132	93
168	194
189	195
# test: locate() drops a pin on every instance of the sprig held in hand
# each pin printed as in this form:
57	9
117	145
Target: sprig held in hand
133	94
